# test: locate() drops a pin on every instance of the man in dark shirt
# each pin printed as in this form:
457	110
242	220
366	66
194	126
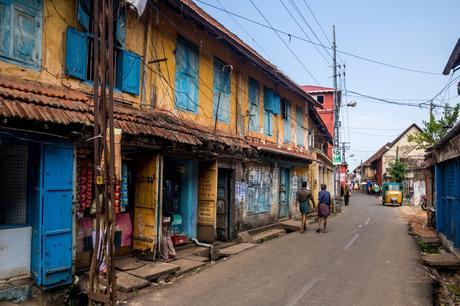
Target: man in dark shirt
303	197
324	200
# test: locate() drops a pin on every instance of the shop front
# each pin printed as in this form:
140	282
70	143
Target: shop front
36	187
180	197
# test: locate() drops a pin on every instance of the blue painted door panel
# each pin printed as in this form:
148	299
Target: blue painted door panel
52	226
4	27
57	215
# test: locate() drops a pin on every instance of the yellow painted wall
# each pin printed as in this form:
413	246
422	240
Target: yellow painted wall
167	27
153	36
58	16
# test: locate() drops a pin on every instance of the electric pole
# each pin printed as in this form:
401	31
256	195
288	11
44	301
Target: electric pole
336	140
103	257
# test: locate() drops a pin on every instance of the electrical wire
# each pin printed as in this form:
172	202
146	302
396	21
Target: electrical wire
287	46
311	29
298	24
247	33
290	35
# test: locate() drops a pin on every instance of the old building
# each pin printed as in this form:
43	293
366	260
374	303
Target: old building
211	134
376	168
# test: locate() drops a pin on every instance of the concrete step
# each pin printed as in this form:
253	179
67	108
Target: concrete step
129	263
268	235
154	270
236	249
127	282
186	265
442	260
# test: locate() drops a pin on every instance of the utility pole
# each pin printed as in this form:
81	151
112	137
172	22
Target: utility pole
102	261
336	140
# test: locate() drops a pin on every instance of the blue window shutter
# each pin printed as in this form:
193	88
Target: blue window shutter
300	133
276	104
267	122
254	105
187	64
192	98
287	121
120	29
268	99
181	94
192	72
128	72
76	54
221	90
5	26
24	34
83	13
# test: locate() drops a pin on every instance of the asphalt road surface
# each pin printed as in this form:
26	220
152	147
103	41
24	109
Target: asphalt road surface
366	258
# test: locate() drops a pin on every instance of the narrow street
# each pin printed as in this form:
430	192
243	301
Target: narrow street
366	258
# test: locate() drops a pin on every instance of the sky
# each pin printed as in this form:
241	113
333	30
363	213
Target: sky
419	35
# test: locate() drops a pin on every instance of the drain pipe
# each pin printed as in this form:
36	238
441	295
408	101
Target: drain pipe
206	245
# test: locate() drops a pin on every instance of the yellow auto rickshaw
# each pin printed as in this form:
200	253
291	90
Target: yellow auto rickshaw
392	193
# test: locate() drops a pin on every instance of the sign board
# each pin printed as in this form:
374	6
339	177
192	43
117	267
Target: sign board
337	156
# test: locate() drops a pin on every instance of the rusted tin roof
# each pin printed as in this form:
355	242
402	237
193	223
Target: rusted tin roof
282	151
35	101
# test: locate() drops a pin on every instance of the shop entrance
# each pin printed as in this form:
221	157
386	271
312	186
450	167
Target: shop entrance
36	185
224	204
180	197
285	174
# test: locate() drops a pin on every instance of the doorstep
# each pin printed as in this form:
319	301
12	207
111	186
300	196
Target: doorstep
151	271
236	249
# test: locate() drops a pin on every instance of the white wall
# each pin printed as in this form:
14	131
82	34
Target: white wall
15	250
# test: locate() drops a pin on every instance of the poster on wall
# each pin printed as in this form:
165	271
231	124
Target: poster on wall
240	191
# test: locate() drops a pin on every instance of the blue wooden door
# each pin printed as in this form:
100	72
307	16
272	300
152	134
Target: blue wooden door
284	193
52	226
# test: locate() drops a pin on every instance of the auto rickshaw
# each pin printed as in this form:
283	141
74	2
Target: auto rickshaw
392	193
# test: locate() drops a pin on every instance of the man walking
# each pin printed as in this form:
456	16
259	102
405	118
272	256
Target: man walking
377	190
346	195
324	200
303	197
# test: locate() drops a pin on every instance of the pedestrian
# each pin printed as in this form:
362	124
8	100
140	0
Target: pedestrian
167	247
347	195
324	208
303	197
376	190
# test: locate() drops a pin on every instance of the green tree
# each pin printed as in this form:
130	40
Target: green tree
435	129
397	169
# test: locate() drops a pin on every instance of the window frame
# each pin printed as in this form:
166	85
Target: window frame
222	93
254	105
322	98
193	80
37	14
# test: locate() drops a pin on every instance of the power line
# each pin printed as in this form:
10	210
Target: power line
287	46
314	43
247	32
308	25
298	24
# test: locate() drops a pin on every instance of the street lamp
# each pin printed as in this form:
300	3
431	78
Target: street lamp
351	103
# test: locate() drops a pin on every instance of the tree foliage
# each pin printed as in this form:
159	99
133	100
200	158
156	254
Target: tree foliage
435	129
397	170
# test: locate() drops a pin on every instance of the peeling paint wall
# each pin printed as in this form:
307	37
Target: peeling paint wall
261	203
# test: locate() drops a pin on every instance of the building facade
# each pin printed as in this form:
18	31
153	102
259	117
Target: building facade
209	133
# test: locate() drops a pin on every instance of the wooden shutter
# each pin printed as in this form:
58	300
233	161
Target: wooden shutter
76	54
5	26
128	72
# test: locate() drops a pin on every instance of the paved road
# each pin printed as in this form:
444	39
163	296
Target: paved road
366	258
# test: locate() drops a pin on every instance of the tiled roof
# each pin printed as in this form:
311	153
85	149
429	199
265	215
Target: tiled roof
35	101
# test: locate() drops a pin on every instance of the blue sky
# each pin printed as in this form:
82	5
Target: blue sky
413	34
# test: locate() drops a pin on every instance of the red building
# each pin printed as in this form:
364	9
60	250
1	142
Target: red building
325	96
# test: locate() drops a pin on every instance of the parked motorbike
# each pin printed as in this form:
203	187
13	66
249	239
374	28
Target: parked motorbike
431	217
424	202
